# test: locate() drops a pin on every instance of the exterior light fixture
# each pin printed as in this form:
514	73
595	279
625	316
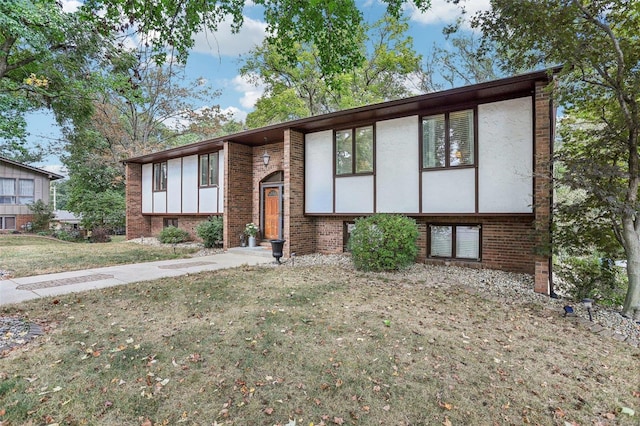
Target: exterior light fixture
588	303
265	158
568	310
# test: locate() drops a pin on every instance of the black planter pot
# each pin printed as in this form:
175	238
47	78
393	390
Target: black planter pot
277	247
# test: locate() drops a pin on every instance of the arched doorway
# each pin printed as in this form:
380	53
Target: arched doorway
272	206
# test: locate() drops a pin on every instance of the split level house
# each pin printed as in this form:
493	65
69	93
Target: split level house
21	185
471	165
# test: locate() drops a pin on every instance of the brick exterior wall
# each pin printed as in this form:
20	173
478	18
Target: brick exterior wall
261	172
543	180
22	220
239	192
507	242
299	230
186	222
137	225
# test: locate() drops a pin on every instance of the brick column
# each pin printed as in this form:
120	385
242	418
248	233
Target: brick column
299	230
543	180
137	225
238	191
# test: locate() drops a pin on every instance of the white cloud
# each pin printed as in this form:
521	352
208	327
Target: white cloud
443	12
71	6
225	43
235	113
251	91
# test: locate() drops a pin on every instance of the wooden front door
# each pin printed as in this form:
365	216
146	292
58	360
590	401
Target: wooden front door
271	213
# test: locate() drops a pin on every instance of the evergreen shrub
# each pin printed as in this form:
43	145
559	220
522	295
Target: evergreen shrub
210	231
384	242
173	235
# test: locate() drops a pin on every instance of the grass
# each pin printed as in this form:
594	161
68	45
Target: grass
27	255
314	345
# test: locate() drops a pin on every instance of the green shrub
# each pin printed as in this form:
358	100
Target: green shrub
384	242
591	277
42	215
210	231
173	235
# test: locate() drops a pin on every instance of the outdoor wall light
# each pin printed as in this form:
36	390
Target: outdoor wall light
588	303
265	158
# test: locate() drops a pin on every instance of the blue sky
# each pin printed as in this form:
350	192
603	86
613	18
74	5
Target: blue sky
216	57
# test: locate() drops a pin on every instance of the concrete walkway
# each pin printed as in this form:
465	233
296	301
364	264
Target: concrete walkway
20	289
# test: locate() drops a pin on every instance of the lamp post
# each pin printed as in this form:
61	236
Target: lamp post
588	303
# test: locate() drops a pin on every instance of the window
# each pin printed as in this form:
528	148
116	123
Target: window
354	151
26	191
160	176
454	241
7	222
209	169
7	191
448	140
167	222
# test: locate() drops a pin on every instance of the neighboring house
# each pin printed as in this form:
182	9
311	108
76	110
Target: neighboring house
472	165
21	185
64	219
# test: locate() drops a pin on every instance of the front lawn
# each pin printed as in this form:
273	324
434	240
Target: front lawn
27	255
315	345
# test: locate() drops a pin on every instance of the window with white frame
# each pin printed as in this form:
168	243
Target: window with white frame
7	222
160	176
448	140
209	169
454	241
26	191
7	191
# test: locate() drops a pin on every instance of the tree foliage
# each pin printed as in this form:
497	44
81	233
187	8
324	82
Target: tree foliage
45	60
332	26
597	45
303	89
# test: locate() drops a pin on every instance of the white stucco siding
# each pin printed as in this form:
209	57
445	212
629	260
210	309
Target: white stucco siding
397	165
318	177
505	156
354	194
208	200
449	191
160	202
147	188
220	206
190	184
174	186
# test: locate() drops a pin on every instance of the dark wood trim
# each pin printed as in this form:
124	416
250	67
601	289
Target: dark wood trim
375	165
469	215
333	162
476	159
181	214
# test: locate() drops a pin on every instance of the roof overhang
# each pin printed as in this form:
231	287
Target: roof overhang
511	87
48	174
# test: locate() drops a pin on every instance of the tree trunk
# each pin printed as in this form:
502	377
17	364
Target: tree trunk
631	305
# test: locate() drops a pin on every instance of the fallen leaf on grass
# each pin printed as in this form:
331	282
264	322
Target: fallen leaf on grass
268	411
446	421
445	405
338	420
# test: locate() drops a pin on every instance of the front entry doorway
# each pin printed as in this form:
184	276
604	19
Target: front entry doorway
272	207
